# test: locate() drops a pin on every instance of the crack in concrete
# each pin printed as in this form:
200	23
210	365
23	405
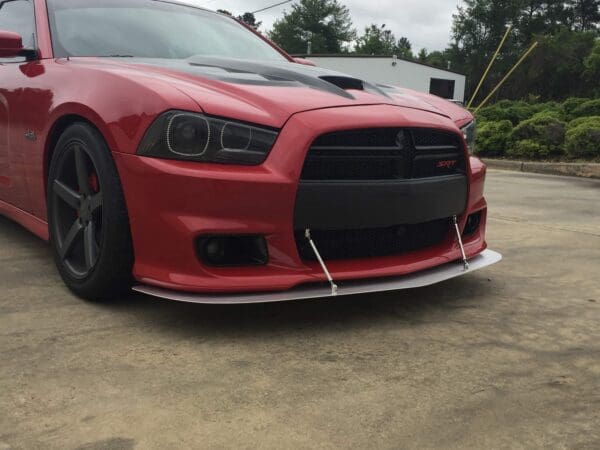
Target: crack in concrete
541	225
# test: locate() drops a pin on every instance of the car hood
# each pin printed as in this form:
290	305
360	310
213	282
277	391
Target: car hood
270	93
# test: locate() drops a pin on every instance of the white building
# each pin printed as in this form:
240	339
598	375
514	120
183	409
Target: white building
397	72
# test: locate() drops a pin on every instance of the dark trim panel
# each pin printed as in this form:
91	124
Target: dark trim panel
351	205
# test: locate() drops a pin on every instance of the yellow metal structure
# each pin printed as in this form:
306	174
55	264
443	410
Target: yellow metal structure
508	30
487	99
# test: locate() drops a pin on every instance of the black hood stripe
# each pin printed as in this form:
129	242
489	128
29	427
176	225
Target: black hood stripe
262	74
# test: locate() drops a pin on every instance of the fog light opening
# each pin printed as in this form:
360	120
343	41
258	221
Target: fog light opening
472	225
232	251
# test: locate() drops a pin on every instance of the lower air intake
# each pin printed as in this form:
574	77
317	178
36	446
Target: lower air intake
374	242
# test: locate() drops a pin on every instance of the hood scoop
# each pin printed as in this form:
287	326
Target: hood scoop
279	74
349	83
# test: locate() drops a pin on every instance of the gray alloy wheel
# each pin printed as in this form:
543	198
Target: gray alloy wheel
87	216
77	211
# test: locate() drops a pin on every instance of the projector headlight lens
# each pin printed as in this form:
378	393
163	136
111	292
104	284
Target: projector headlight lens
190	136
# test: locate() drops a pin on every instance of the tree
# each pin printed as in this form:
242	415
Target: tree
250	20
404	48
376	41
586	14
247	18
325	24
592	69
438	59
555	69
422	56
592	65
477	29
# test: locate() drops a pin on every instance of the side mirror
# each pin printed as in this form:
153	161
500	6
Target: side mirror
11	44
304	62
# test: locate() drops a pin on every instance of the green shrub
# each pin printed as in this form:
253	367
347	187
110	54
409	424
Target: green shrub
583	140
540	137
518	111
528	149
493	138
507	110
581	120
549	113
570	104
548	106
491	114
545	130
539	130
587	109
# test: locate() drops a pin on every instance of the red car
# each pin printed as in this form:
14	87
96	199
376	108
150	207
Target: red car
174	150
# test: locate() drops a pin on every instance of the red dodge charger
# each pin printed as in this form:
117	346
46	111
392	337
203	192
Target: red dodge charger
174	150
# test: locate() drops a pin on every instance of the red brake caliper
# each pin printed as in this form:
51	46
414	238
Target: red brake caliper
93	180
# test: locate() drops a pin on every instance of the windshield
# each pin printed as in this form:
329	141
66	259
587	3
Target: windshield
149	29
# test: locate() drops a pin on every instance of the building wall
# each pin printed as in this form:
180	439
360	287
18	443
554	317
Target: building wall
381	70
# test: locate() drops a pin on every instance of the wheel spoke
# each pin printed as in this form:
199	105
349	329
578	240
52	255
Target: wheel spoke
68	195
90	246
83	176
70	239
96	202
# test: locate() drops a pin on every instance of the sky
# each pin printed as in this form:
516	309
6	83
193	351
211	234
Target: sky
426	23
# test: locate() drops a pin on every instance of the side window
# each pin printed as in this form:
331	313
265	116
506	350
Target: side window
18	16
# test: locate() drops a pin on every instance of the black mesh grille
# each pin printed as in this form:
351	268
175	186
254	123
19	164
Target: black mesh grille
380	154
373	137
384	154
327	164
433	137
376	242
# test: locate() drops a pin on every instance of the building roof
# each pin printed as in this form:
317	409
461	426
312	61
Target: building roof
357	55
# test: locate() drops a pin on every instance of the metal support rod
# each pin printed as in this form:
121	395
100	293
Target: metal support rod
493	60
334	288
460	243
483	103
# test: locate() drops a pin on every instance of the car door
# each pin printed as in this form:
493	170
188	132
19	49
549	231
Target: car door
16	16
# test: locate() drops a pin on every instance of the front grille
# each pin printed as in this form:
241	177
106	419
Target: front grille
374	242
384	154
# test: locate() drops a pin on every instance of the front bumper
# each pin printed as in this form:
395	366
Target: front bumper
172	203
412	281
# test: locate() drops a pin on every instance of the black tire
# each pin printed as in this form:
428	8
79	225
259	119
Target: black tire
87	216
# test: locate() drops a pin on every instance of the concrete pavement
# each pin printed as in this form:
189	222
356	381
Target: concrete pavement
508	357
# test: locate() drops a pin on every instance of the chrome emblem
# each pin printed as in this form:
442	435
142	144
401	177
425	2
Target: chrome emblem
30	135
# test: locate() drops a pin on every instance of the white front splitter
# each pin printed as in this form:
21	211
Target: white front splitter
414	280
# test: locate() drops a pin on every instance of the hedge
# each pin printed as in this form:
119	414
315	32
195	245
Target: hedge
540	130
581	120
587	109
570	104
546	131
515	112
529	149
583	140
493	138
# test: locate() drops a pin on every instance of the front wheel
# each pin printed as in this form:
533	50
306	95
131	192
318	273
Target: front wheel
87	216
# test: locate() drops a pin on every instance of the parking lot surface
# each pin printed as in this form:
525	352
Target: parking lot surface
508	357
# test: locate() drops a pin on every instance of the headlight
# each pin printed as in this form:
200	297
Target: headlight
195	137
470	133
